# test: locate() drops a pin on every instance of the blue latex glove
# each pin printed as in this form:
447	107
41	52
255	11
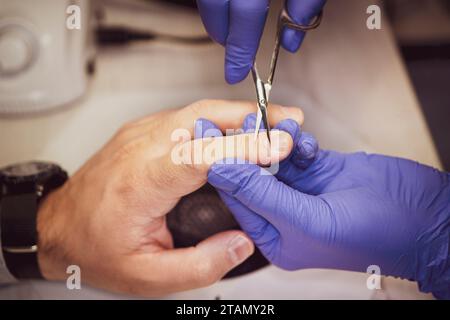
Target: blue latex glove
326	209
238	25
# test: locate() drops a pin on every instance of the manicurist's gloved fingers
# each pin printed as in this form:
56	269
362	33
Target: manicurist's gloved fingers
270	198
206	129
292	127
246	25
193	267
305	151
215	18
302	12
256	227
302	155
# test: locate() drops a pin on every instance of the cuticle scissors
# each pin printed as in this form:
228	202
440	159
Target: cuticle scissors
263	88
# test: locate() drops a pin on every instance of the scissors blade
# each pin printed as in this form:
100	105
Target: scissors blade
261	93
258	123
266	122
261	116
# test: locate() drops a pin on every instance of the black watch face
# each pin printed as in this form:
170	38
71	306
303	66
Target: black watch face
26	169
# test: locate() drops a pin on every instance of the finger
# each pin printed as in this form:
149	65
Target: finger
302	156
292	127
301	12
256	227
160	128
250	123
283	207
247	19
305	151
214	14
184	169
188	268
230	114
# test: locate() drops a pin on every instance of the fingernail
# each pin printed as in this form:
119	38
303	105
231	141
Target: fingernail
292	39
235	73
239	249
308	149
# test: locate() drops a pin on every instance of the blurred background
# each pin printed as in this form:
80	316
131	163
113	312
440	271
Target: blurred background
422	31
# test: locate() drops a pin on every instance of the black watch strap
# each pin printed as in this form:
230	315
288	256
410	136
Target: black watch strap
23	186
19	236
23	266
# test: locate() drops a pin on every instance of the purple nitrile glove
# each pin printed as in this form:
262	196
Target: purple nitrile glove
326	209
239	24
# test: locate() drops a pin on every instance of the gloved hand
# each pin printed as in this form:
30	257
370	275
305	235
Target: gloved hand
238	25
326	209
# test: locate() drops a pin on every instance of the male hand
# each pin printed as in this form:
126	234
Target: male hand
109	218
326	209
238	25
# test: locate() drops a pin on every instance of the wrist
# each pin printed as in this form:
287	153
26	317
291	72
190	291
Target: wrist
50	256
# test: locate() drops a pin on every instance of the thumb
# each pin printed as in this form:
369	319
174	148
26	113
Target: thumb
189	162
193	267
284	207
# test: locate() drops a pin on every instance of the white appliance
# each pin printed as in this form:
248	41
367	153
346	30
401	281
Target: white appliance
44	60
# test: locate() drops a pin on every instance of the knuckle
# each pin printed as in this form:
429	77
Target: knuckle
129	182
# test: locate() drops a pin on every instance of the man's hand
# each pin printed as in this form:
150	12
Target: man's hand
238	25
109	218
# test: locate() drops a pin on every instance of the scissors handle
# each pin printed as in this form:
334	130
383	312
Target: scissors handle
285	20
263	88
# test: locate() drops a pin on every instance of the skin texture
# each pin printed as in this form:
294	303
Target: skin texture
109	217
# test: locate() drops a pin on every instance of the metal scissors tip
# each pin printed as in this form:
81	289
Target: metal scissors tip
263	88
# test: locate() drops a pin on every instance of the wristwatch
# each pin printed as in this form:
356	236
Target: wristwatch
22	187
